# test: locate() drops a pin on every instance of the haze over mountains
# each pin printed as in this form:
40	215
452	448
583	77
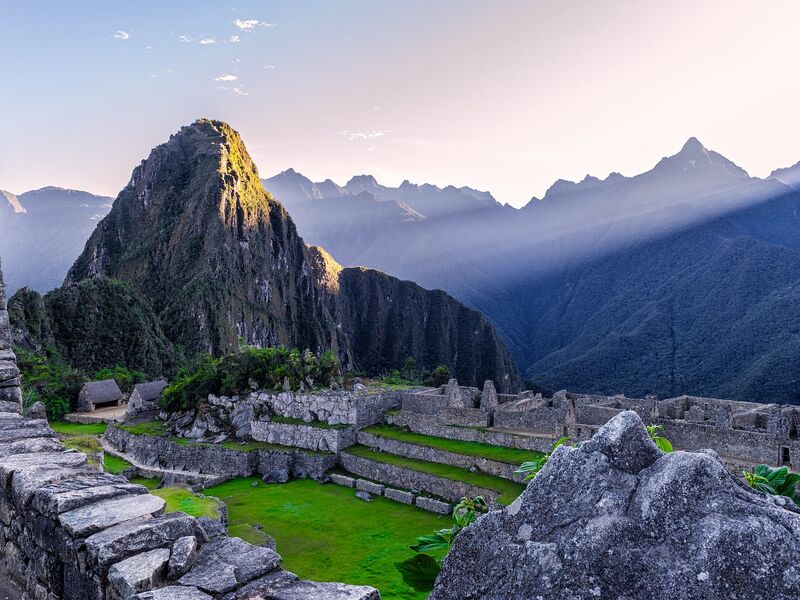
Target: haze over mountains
43	231
683	279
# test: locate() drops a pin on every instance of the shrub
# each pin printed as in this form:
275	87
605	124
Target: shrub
778	481
663	443
440	376
49	379
124	377
265	368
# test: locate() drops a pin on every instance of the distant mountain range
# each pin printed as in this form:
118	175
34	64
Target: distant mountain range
683	279
43	231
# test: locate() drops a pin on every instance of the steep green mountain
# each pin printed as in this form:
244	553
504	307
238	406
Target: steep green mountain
43	231
219	260
93	324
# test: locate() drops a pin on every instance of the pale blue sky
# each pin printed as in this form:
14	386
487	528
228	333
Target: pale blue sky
505	96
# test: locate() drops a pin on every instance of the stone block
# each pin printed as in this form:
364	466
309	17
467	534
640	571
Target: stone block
369	487
138	573
184	553
63	496
432	505
174	592
399	495
342	480
92	518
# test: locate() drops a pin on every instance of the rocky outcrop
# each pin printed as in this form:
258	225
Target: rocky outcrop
220	261
617	518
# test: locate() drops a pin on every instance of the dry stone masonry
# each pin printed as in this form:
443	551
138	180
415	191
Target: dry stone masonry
70	531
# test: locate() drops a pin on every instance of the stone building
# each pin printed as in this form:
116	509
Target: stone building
145	396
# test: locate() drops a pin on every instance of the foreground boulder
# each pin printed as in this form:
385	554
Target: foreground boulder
617	518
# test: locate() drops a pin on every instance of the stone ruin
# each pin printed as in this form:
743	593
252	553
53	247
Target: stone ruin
70	531
617	518
743	433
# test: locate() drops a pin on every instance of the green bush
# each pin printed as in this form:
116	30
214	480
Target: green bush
440	376
49	379
124	377
266	368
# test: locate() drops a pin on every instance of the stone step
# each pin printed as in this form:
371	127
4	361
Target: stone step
422	447
436	479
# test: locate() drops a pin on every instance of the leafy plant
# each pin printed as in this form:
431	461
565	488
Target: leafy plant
663	443
779	481
440	376
420	571
49	379
532	467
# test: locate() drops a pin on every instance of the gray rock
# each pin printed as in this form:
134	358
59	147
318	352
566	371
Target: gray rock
399	495
433	505
644	525
184	553
138	573
312	590
36	410
365	496
207	528
225	563
364	485
63	496
174	592
342	480
95	517
276	474
263	587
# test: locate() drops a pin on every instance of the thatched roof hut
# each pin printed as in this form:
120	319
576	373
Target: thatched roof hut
99	392
145	396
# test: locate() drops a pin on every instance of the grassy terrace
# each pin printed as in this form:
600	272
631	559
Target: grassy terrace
67	428
512	456
325	533
156	428
509	490
317	424
181	499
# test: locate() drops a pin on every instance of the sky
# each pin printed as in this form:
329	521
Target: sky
502	95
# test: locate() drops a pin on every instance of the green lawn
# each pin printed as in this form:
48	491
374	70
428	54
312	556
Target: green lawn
325	533
181	499
77	428
115	465
156	428
512	456
509	490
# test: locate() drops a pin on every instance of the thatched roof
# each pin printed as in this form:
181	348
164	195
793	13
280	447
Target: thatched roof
101	391
150	391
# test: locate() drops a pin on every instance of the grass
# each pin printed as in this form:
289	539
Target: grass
509	490
156	428
67	428
114	464
512	456
325	533
317	424
181	499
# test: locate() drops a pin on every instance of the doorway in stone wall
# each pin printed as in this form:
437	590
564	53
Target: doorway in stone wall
785	457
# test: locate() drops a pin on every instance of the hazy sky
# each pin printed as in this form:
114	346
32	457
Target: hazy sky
502	95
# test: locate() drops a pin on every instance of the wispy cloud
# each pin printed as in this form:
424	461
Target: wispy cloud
269	66
207	41
226	78
364	135
185	39
122	35
239	91
251	24
234	39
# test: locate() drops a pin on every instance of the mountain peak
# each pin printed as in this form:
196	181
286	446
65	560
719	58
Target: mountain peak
693	146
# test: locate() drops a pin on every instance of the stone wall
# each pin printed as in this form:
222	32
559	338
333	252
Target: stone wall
303	436
415	481
275	465
408	450
10	391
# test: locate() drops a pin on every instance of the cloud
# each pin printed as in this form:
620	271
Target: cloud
122	35
239	91
251	24
207	41
269	66
148	47
185	39
226	78
364	135
235	39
